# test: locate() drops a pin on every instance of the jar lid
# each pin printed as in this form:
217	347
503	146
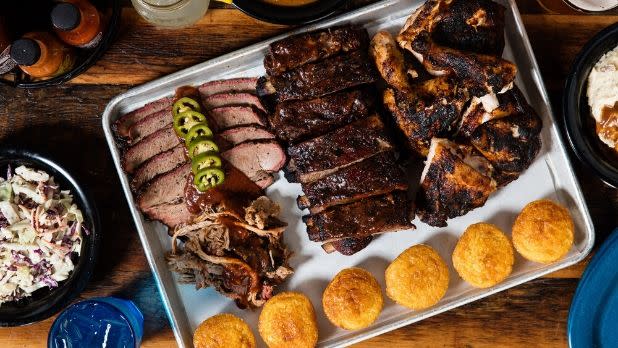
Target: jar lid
65	16
25	52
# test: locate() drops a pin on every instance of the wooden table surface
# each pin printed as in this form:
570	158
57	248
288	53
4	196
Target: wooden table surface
65	122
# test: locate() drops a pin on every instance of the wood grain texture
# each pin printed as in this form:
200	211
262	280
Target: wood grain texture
65	123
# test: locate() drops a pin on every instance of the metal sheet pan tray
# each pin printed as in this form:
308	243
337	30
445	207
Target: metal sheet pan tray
550	176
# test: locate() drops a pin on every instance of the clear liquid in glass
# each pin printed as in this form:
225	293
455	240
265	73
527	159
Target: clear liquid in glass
171	13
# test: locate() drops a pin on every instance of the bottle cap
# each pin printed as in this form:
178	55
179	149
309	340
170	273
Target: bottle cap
65	16
25	52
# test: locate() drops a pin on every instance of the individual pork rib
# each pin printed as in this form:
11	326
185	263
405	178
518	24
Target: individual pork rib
244	84
318	79
257	159
299	120
450	187
231	116
321	156
150	124
125	122
170	214
165	188
157	142
157	165
380	214
347	246
296	50
231	99
374	176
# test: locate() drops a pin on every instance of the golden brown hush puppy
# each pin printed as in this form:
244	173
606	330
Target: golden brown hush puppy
543	231
418	278
353	299
223	331
288	320
484	255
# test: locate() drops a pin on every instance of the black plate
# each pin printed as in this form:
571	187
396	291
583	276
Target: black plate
579	124
45	302
290	15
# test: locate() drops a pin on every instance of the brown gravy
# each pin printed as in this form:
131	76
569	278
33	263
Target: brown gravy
608	127
290	2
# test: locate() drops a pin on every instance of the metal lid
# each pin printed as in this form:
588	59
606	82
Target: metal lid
25	52
65	16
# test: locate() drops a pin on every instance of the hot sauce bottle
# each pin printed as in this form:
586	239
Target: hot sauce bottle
78	23
41	54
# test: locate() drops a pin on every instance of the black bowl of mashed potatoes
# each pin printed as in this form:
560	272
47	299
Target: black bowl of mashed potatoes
590	105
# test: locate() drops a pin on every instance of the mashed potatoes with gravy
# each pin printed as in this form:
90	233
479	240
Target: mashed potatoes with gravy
603	97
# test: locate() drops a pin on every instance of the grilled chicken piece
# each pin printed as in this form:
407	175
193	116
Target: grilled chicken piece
431	109
450	187
389	60
472	25
484	73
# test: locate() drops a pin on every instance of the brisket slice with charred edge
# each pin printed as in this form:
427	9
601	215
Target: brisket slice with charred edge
150	124
157	142
234	136
229	99
166	188
321	156
347	246
318	79
225	117
159	164
379	214
374	176
243	84
170	214
299	120
296	50
122	125
256	158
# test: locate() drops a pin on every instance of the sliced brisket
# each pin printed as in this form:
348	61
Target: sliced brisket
158	164
321	156
296	50
256	158
225	86
374	176
171	214
370	216
150	124
157	142
318	79
125	122
299	120
234	136
165	188
231	116
231	99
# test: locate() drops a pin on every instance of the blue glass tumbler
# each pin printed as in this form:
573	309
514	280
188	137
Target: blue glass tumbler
106	322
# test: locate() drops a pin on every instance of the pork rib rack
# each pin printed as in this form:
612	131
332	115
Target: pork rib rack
321	91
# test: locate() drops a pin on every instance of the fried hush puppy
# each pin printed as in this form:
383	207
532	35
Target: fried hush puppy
223	331
353	299
288	320
418	278
543	231
484	255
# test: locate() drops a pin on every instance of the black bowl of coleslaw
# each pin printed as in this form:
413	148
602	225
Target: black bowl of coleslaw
47	301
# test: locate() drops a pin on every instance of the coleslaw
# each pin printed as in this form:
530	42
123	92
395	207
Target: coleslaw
40	233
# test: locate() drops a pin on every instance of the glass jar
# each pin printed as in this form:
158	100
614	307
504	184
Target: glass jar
171	13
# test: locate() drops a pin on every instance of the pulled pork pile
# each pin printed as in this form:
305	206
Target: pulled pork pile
242	257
